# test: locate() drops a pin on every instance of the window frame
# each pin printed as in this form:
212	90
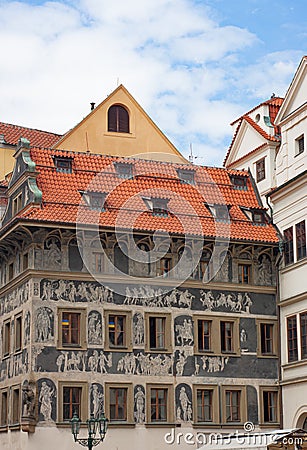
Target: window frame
169	388
18	339
274	338
242	405
17	203
300	235
260	169
303	336
128	330
288	246
241	275
83	401
129	403
115	110
4	425
167	332
215	403
299	145
15	411
7	338
269	389
216	341
294	339
63	164
82	329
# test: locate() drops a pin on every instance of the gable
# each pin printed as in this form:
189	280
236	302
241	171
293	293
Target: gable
144	139
296	94
246	139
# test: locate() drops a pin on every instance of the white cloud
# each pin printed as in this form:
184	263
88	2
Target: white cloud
175	58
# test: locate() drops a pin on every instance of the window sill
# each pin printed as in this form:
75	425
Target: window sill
206	425
274	425
161	425
15	426
271	355
121	425
3	428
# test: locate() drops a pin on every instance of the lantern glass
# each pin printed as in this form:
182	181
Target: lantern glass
103	424
75	425
92	425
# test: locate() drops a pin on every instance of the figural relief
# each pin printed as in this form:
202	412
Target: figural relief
78	361
148	296
44	324
27	328
94	328
139	404
45	400
214	363
235	302
138	329
97	400
14	299
75	291
265	271
184	333
141	364
184	405
28	400
15	365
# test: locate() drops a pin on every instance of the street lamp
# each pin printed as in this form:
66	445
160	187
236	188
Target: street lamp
93	425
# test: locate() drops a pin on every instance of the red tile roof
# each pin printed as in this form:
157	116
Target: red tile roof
37	138
125	207
274	105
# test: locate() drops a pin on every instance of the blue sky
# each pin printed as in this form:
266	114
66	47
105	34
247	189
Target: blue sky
193	65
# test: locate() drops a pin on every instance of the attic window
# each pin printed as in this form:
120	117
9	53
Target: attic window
158	206
258	217
124	170
63	165
239	182
219	212
118	119
95	200
186	176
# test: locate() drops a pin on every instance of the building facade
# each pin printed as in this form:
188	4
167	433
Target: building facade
140	286
283	189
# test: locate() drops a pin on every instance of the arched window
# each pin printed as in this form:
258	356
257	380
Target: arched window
74	256
118	119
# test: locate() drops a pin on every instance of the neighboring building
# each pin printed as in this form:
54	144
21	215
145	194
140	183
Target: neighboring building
135	285
284	185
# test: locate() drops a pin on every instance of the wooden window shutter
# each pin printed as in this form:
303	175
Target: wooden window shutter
118	119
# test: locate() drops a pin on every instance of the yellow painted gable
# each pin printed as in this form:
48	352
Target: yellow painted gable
145	140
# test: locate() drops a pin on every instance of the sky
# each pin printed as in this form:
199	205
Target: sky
193	65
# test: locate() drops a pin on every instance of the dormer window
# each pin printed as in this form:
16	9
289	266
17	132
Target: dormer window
124	170
258	217
186	176
95	200
219	212
118	119
63	165
239	182
158	206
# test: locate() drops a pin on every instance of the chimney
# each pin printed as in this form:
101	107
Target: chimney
92	106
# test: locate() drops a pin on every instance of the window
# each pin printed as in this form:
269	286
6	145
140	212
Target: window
6	338
292	339
15	418
25	261
121	259
124	170
158	329
17	204
160	207
207	406
234	404
288	248
269	405
244	273
74	256
159	402
119	401
11	271
219	212
258	217
217	336
203	269
98	265
118	330
300	240
299	145
4	408
239	182
227	341
303	325
63	165
165	266
118	119
72	326
72	398
267	338
18	333
186	176
204	335
260	170
95	200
